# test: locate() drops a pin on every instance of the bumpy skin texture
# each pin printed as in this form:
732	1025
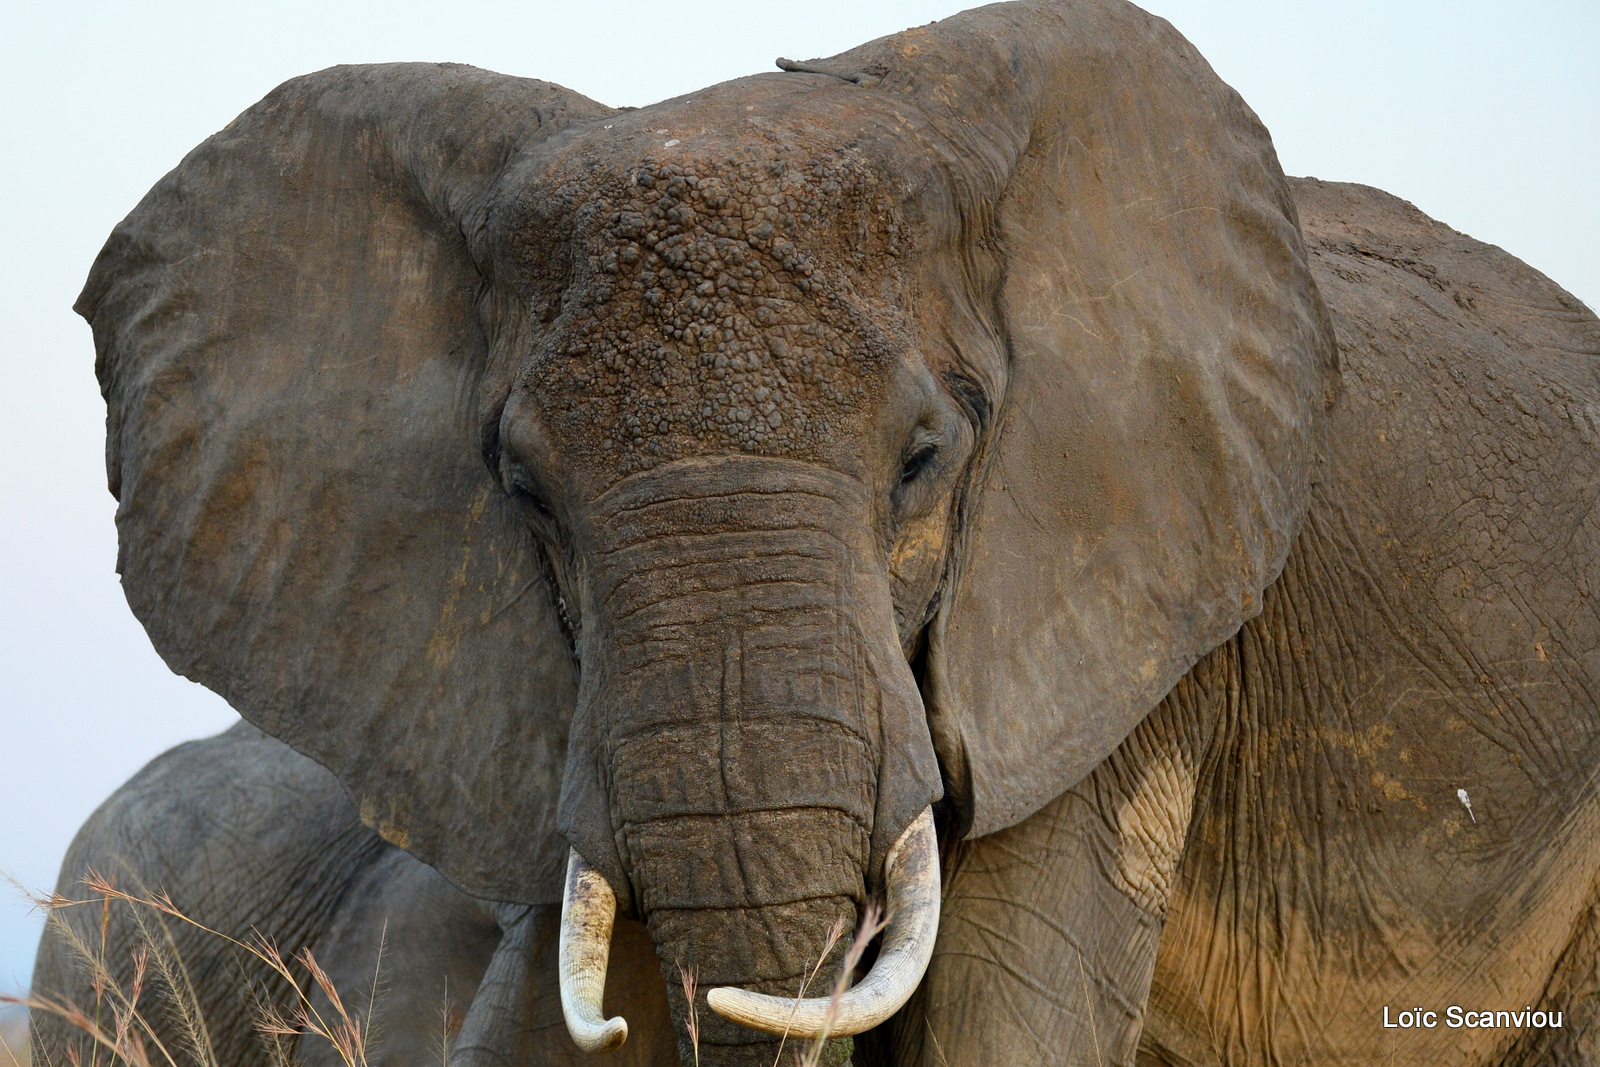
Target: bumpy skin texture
710	487
1328	861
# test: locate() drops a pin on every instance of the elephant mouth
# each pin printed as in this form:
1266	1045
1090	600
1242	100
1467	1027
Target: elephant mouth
911	877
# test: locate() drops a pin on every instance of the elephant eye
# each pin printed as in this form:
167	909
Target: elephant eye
920	457
534	501
919	460
523	491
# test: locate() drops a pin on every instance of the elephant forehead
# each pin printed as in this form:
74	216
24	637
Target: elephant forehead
742	303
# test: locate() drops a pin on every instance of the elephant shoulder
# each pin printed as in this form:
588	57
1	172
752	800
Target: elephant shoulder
237	787
1390	273
1462	459
230	826
1468	422
1465	373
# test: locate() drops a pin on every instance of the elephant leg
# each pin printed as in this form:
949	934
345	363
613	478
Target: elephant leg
516	1015
1049	932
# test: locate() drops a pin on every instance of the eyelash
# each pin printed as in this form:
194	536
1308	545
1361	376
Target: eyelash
917	462
524	492
537	504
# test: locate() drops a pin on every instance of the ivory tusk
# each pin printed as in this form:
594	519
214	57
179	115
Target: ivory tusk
588	909
911	876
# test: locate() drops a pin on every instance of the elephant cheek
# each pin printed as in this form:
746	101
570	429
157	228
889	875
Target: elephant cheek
916	567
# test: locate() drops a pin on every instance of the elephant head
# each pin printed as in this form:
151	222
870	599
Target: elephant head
703	491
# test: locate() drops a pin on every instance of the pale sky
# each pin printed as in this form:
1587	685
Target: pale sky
1484	114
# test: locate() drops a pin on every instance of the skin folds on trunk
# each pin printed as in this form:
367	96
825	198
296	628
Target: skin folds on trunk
749	720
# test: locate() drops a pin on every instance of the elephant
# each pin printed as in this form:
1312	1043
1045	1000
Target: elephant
963	473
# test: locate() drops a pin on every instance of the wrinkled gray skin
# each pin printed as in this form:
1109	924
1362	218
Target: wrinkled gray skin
976	417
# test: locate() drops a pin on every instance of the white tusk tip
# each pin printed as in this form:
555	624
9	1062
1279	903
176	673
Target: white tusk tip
607	1037
588	908
911	876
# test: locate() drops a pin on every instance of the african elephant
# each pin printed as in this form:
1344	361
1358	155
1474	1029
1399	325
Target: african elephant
962	472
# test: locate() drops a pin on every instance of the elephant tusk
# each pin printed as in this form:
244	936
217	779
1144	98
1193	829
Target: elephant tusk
911	872
588	908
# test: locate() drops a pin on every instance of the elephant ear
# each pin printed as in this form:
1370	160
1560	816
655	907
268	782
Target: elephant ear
1161	361
289	345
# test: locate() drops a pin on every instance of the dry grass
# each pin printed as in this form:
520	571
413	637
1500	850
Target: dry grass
120	1032
689	986
118	1029
873	923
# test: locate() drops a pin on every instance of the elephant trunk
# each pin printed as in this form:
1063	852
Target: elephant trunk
750	721
913	890
911	872
771	941
745	807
